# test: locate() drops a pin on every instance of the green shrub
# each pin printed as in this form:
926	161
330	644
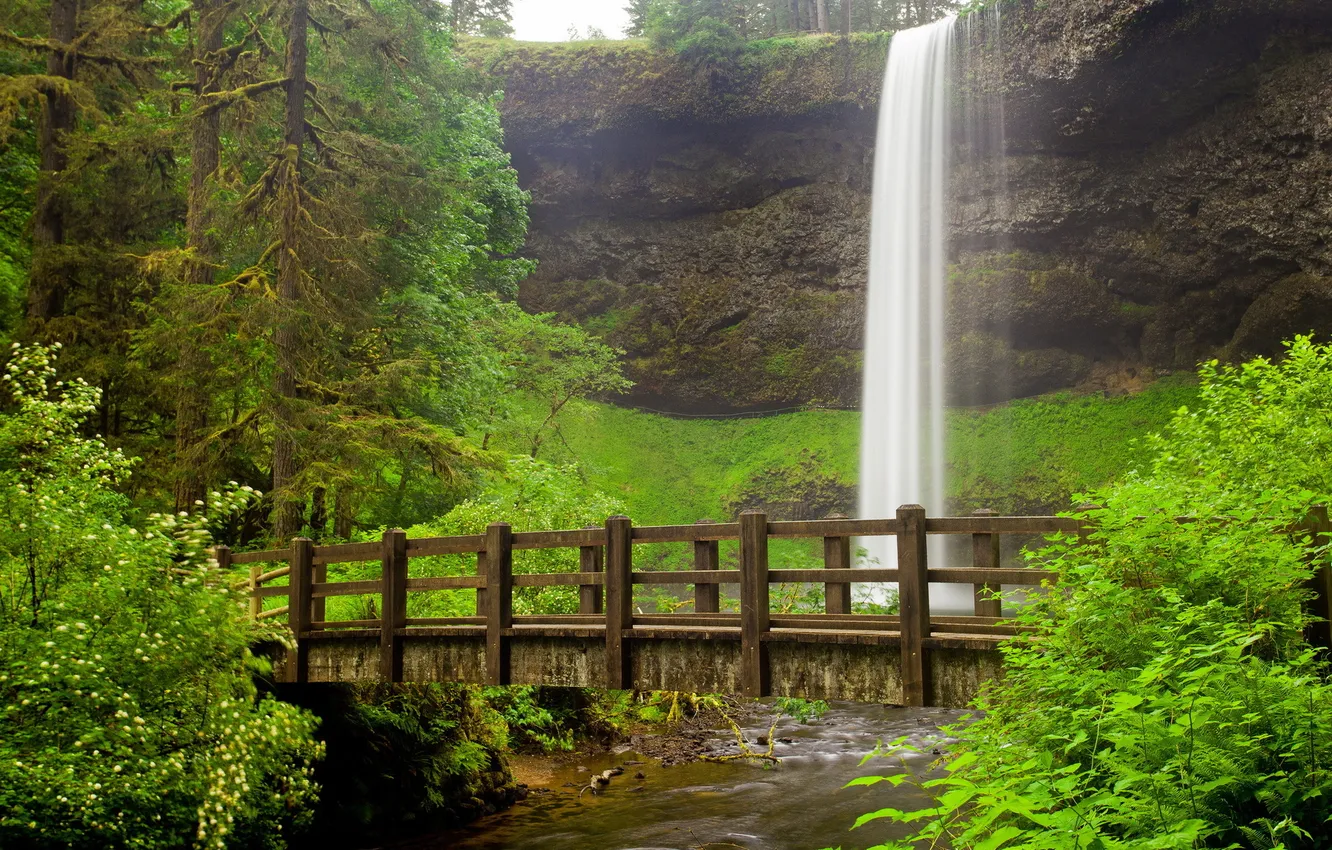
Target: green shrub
1167	697
404	759
530	495
803	710
127	700
697	31
538	718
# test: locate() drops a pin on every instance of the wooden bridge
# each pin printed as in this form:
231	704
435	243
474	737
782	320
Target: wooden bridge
912	658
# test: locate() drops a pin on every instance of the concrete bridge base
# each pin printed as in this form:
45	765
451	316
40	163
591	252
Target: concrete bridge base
863	667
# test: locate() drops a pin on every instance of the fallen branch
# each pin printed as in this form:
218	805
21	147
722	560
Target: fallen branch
745	751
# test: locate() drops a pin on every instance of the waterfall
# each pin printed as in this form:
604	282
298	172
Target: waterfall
902	428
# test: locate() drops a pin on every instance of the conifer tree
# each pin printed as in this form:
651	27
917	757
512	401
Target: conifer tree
46	288
275	280
291	273
490	18
194	379
85	47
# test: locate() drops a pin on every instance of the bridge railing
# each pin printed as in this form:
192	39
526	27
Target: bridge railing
606	579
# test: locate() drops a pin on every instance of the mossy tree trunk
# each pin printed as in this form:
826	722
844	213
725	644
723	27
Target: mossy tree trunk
47	284
205	159
343	512
287	508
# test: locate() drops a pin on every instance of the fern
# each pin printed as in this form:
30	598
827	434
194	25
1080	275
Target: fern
1166	697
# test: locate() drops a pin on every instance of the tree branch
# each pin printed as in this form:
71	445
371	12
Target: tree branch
221	100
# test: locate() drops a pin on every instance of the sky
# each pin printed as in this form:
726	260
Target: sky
549	20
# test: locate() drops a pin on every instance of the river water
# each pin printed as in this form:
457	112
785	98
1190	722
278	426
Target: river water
799	804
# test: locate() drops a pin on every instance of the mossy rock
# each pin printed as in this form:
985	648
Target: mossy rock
1297	304
1040	300
564	91
801	490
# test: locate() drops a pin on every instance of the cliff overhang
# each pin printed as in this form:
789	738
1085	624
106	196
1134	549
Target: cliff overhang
1163	196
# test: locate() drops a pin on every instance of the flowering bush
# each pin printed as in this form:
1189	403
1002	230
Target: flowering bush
127	703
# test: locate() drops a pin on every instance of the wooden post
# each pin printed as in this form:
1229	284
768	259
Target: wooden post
707	556
481	591
619	600
590	561
754	612
837	556
256	604
499	600
1319	632
318	606
222	554
393	603
985	555
914	602
298	606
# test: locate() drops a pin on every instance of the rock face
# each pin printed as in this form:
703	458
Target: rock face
1165	195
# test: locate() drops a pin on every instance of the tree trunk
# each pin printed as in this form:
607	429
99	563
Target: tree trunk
846	17
318	513
821	7
47	281
795	15
286	520
205	159
342	513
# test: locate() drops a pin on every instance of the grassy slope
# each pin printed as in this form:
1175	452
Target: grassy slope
680	470
1026	456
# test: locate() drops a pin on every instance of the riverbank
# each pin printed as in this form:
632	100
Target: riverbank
659	802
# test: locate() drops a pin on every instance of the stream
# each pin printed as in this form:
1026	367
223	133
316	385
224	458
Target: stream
798	804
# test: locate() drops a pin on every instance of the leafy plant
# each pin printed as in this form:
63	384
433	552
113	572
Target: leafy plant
1167	697
803	710
530	495
533	724
553	363
403	759
675	706
130	714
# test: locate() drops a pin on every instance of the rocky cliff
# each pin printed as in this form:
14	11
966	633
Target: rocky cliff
1164	194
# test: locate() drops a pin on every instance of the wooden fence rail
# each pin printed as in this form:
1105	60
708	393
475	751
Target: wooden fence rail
606	578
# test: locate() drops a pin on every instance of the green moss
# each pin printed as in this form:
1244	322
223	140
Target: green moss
781	365
613	322
1026	456
1031	456
703	342
580	88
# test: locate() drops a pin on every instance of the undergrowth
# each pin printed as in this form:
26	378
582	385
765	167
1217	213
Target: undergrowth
1165	696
